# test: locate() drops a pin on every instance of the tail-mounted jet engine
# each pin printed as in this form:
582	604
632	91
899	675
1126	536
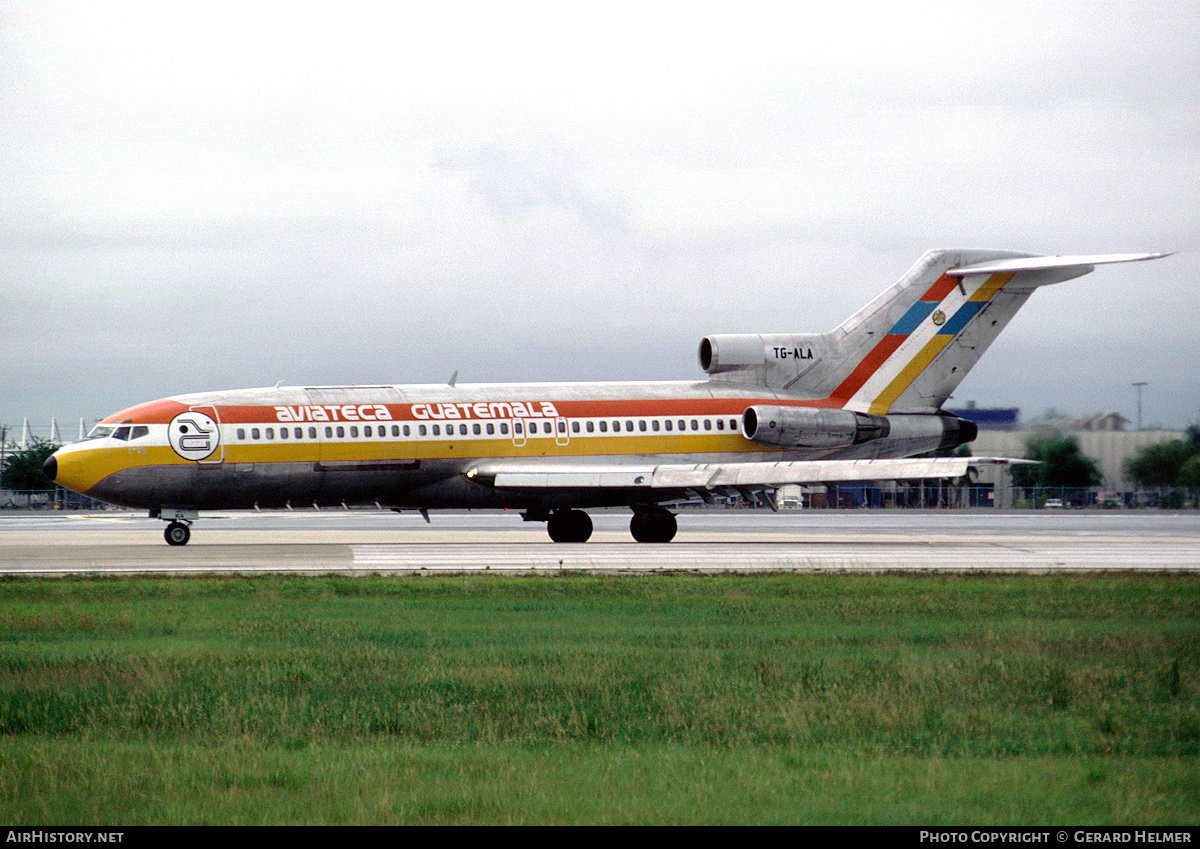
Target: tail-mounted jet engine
809	427
822	428
778	361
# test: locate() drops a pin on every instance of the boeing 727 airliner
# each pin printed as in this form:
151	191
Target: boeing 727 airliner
847	405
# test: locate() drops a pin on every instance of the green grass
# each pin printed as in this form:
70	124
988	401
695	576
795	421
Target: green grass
917	699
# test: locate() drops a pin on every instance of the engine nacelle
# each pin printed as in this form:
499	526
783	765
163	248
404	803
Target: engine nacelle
810	427
730	353
765	360
820	428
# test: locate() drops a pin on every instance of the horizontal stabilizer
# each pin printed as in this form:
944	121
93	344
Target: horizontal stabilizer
1042	263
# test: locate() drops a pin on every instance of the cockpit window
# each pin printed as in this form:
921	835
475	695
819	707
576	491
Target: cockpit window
123	432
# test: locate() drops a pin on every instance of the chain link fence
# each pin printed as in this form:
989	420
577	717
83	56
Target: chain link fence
49	499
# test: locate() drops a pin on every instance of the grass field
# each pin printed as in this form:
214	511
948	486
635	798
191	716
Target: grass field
819	698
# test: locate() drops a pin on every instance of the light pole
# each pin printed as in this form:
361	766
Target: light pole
1139	386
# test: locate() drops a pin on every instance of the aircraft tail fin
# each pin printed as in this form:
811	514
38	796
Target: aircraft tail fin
920	343
908	349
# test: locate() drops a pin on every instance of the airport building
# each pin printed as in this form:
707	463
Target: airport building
1103	437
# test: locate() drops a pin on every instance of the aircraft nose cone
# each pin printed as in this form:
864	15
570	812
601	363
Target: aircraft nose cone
50	467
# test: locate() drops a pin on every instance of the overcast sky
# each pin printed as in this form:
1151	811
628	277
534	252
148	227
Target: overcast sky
220	195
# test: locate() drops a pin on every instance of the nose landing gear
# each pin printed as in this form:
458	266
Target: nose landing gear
179	524
177	533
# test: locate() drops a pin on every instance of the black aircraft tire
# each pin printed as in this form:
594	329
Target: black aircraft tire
177	533
569	526
581	526
653	527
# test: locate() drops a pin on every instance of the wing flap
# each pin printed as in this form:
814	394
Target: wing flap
708	476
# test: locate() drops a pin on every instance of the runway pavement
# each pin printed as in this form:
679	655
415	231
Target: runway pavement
53	544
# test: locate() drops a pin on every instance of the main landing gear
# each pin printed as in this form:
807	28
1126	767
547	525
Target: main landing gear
576	526
653	526
569	526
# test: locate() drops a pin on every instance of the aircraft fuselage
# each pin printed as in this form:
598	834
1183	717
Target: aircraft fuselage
409	446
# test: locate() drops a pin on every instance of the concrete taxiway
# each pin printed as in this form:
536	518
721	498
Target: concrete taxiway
708	541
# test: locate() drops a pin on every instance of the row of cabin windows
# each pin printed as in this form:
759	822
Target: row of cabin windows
490	428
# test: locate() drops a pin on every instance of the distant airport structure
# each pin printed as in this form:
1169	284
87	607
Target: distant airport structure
1103	437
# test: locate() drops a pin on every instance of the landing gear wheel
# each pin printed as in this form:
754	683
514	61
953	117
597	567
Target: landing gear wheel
177	533
569	526
659	526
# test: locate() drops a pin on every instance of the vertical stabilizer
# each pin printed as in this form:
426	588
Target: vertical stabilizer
908	350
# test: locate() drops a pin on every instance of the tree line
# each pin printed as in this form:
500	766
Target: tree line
1061	463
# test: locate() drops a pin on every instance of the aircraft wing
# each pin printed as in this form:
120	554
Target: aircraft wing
517	475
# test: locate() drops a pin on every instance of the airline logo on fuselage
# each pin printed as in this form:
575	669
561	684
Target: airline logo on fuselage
380	412
193	435
486	410
334	413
